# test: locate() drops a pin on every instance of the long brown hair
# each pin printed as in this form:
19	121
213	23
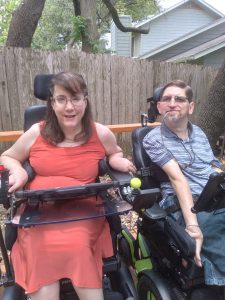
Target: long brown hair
73	83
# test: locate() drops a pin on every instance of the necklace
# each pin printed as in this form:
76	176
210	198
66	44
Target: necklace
190	152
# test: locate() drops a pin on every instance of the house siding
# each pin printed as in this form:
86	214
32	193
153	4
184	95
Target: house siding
215	59
174	24
136	44
191	42
121	41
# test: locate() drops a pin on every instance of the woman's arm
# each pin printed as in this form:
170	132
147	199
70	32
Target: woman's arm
183	192
113	151
13	158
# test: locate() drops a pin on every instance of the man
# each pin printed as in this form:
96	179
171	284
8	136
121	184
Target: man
182	150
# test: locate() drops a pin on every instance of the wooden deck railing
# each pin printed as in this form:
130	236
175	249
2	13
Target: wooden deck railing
12	136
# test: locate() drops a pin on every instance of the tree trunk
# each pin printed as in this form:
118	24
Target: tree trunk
211	114
24	23
76	5
88	10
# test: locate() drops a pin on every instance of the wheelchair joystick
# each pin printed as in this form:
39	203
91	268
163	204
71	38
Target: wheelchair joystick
135	183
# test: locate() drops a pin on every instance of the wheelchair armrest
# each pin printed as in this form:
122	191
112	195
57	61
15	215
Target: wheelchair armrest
104	168
155	212
30	171
180	237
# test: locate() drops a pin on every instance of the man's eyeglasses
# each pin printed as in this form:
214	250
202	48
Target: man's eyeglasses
62	100
177	99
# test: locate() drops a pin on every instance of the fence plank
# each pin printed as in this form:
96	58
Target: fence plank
106	76
99	92
115	68
12	89
6	119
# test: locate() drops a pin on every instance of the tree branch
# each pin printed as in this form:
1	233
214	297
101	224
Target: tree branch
116	20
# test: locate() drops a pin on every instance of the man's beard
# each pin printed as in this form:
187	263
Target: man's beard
172	116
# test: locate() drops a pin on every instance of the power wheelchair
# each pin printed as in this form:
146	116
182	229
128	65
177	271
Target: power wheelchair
162	252
117	280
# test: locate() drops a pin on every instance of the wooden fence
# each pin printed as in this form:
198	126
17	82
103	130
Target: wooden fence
118	86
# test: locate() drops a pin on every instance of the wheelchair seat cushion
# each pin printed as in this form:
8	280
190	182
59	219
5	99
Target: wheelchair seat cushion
74	250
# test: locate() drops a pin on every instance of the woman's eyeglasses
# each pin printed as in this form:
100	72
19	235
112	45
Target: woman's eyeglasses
62	100
177	99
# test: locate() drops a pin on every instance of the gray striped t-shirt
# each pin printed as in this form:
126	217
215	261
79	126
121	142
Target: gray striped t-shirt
194	155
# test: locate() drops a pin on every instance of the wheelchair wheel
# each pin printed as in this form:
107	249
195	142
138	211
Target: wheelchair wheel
152	287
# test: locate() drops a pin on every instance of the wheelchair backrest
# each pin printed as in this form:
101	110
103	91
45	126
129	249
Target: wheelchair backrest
36	113
33	114
153	111
149	172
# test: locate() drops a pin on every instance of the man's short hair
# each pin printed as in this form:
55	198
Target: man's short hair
181	84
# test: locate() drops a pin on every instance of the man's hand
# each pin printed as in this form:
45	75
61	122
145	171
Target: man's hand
195	232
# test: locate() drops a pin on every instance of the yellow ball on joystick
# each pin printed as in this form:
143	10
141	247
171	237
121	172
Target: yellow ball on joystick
135	183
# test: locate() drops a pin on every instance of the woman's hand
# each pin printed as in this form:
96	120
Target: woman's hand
122	164
17	179
195	232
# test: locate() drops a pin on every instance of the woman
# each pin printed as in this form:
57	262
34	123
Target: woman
63	151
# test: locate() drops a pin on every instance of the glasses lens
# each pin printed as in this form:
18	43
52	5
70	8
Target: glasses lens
180	99
76	100
166	99
62	100
177	99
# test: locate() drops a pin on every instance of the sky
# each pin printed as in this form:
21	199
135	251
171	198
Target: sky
218	4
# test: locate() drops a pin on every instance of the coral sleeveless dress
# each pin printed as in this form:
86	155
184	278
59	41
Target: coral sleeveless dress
44	254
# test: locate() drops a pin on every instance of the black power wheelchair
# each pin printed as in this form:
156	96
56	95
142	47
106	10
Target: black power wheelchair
162	252
116	194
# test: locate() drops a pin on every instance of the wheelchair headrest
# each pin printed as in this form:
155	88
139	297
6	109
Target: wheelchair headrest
153	111
156	95
41	86
153	173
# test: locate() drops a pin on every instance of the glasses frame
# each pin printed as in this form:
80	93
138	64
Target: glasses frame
66	99
177	99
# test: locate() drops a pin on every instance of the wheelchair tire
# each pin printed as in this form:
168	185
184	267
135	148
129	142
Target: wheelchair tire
153	287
